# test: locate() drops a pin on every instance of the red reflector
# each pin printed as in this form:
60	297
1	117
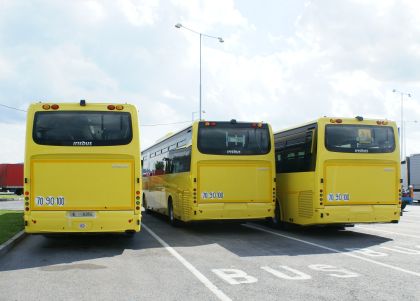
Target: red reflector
27	209
119	107
338	121
137	192
111	107
212	123
54	107
26	192
46	107
137	208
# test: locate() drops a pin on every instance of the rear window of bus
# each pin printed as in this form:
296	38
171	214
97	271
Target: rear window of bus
359	138
77	128
224	138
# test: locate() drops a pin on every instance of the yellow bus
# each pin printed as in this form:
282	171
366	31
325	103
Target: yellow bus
338	171
211	171
82	168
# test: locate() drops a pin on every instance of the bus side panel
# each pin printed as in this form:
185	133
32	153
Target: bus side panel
178	188
296	193
155	193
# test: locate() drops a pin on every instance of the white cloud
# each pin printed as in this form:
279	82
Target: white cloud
140	13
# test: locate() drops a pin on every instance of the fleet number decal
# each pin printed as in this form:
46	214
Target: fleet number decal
49	201
331	197
212	195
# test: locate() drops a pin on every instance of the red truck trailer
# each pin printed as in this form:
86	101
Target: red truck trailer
11	178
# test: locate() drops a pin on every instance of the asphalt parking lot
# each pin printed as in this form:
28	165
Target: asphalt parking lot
220	261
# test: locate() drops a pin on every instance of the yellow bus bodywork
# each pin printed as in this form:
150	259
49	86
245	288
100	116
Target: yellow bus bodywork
99	180
247	183
372	180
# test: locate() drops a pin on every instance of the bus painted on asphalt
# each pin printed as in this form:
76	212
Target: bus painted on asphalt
338	171
82	168
211	171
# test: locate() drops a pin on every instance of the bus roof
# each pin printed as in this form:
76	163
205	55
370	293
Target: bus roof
170	135
39	106
346	120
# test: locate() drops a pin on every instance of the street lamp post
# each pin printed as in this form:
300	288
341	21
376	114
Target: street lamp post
193	113
179	25
402	132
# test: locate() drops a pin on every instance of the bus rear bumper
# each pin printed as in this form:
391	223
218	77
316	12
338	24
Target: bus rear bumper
62	222
232	211
355	214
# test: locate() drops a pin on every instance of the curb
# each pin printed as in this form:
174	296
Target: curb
5	247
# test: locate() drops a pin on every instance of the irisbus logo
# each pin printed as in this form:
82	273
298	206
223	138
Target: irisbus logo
82	143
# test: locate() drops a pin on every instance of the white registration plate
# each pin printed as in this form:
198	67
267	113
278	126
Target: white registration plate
82	214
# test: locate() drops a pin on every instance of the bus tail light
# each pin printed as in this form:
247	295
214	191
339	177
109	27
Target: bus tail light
209	123
119	107
46	107
137	192
111	107
137	207
55	107
26	192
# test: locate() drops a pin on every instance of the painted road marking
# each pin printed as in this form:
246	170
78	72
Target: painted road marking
386	231
214	289
333	250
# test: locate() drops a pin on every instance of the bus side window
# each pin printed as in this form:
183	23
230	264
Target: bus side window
296	152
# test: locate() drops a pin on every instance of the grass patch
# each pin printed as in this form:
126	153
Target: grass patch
11	222
10	197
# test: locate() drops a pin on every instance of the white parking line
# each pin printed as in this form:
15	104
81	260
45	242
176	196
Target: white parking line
214	289
386	231
333	250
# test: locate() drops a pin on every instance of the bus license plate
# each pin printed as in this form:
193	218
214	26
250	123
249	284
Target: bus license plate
82	214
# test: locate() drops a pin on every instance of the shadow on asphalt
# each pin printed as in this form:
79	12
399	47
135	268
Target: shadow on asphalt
247	242
43	251
37	251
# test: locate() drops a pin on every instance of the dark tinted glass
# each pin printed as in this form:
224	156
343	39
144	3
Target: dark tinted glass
78	128
233	139
179	160
359	138
296	150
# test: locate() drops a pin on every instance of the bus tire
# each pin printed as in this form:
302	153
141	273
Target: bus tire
172	220
130	233
276	220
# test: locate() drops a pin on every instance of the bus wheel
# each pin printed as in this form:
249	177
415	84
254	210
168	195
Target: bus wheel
276	220
172	220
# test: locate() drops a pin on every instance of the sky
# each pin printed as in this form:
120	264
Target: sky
284	62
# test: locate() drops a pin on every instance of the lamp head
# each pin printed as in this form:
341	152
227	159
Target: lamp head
178	25
220	39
